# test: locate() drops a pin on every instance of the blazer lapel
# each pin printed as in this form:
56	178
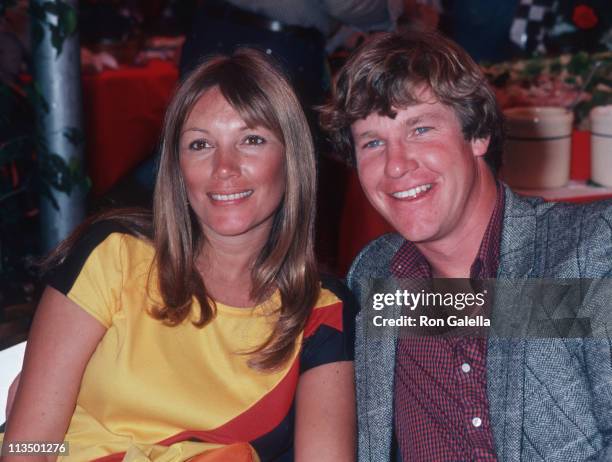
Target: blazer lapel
506	350
380	372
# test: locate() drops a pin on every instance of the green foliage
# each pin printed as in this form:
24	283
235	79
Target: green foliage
29	169
566	71
36	97
75	136
534	68
20	146
19	142
555	66
58	17
579	64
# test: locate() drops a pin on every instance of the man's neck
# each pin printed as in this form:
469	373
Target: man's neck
453	256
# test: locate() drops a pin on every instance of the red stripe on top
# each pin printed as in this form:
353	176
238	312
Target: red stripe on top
265	415
261	418
330	315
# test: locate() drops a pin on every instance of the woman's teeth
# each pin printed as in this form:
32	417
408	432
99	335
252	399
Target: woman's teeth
231	197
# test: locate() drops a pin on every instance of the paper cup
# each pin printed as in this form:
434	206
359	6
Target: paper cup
538	147
601	145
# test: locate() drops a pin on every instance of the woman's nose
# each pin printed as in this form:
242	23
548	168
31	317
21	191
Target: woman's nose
226	163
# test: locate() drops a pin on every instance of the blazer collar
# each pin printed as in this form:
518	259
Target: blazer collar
506	356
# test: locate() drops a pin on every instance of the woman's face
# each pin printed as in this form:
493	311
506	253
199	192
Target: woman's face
234	175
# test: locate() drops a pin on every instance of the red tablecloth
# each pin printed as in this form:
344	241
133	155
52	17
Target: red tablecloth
360	223
123	111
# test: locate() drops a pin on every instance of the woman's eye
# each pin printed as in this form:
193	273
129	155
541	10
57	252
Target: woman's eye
421	130
198	145
254	140
373	144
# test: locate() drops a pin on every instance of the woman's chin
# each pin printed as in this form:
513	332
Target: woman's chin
237	229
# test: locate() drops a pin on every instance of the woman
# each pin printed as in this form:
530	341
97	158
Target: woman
214	339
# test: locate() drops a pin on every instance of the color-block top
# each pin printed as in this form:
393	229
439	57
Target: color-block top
169	393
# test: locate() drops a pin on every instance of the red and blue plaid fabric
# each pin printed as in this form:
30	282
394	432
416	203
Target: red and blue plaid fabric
441	405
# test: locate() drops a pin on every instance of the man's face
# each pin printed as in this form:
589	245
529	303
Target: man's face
419	172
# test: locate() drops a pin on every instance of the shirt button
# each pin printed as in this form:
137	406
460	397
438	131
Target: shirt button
477	422
465	367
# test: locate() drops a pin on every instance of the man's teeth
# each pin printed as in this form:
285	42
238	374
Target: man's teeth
412	192
231	197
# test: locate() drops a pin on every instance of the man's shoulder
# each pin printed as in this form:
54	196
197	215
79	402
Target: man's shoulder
374	259
560	232
560	214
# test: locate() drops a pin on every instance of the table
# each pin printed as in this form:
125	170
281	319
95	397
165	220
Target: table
360	222
123	113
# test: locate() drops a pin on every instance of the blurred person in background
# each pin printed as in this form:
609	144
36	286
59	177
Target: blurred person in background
293	31
498	31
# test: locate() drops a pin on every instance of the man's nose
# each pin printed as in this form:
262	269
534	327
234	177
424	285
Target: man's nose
226	162
400	160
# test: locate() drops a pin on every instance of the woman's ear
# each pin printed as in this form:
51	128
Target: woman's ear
480	146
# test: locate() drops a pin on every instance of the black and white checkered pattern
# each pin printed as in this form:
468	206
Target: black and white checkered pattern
531	20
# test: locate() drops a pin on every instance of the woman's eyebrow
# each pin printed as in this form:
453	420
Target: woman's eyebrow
203	130
194	129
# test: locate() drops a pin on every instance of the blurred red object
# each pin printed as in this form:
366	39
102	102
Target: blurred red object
580	167
359	223
123	112
584	17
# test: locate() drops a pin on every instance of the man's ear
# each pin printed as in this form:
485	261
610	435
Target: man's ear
480	146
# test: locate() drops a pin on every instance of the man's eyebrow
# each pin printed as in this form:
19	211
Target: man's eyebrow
367	134
429	116
416	120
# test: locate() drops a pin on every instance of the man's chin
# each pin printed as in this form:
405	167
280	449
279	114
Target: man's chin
415	235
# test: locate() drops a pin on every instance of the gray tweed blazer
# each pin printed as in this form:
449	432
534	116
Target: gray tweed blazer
549	399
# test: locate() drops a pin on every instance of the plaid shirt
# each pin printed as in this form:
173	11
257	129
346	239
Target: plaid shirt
441	405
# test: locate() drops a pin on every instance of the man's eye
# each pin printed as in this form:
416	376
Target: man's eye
421	130
198	145
254	140
373	144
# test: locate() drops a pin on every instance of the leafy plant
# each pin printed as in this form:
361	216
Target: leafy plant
28	167
546	80
62	26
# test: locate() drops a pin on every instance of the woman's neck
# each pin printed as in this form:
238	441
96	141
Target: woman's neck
226	265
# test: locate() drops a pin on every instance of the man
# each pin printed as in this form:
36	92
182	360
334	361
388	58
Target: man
422	125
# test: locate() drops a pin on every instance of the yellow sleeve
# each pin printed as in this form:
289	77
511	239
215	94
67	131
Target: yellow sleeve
92	274
97	288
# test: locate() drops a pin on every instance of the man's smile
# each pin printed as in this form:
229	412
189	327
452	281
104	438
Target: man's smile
413	193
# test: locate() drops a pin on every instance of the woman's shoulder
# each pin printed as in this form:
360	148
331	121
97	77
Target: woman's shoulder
106	241
330	329
334	286
335	300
